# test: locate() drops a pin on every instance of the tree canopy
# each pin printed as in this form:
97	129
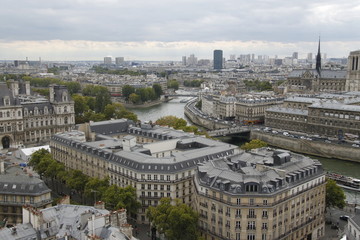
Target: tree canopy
114	197
255	143
171	121
335	196
177	222
258	85
173	84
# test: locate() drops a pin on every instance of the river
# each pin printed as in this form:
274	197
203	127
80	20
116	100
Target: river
176	108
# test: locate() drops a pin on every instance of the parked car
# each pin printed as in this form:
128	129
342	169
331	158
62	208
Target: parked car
344	217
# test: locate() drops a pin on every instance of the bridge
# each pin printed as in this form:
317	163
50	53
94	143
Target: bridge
181	95
229	131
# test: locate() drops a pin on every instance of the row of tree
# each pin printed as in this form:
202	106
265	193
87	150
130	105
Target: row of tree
193	83
103	70
114	197
258	85
141	95
179	124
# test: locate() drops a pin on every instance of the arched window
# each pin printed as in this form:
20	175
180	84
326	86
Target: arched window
66	120
46	110
36	111
8	114
65	109
19	113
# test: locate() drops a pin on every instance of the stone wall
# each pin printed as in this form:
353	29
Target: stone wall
203	122
315	148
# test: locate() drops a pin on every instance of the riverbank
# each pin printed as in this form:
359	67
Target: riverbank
315	148
147	104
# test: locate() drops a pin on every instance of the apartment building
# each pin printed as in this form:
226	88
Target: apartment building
17	189
332	115
261	195
157	161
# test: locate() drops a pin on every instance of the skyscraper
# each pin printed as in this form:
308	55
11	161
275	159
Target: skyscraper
309	57
107	60
295	55
318	60
218	59
119	60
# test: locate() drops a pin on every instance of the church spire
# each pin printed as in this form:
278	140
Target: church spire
318	60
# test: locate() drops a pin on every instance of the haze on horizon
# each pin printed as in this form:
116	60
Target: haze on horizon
166	30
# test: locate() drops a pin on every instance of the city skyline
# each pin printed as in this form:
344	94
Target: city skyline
161	30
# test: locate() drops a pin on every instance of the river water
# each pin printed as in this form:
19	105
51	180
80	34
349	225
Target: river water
176	108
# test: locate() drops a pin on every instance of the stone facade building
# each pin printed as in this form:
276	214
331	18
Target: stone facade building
158	162
309	80
28	119
261	195
333	115
246	108
17	189
353	72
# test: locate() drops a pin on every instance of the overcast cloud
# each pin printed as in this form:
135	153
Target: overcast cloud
169	29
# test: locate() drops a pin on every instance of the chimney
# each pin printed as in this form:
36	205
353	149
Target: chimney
99	205
51	93
2	167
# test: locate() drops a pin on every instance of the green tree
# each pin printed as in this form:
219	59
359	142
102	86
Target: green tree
199	104
116	197
177	222
96	187
335	196
255	143
77	180
158	90
134	98
80	104
171	121
73	87
127	90
117	111
173	84
38	155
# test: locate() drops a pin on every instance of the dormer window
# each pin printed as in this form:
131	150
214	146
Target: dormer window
64	97
6	101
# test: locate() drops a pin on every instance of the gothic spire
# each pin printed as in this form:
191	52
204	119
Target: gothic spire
318	60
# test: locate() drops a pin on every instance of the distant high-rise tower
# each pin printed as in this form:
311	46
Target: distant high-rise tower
119	60
218	59
107	60
318	60
295	55
309	57
184	60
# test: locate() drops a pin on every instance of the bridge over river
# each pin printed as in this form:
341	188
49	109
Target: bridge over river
229	131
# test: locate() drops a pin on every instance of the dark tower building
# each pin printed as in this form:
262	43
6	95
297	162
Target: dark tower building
218	59
318	60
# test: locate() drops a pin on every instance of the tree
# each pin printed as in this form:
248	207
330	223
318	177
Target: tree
177	222
73	87
335	196
255	143
77	180
134	98
116	197
127	90
171	121
173	84
158	90
95	188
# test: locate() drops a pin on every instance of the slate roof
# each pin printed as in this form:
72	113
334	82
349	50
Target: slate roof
294	111
111	126
23	232
324	73
257	169
21	184
336	106
5	92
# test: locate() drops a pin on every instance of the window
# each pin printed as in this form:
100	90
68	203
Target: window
264	214
238	213
263	236
251	225
149	177
251	237
264	226
238	201
237	224
251	201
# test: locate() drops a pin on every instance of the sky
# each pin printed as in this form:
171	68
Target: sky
164	30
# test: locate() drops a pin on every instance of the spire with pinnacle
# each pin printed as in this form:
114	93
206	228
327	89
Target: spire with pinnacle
318	60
